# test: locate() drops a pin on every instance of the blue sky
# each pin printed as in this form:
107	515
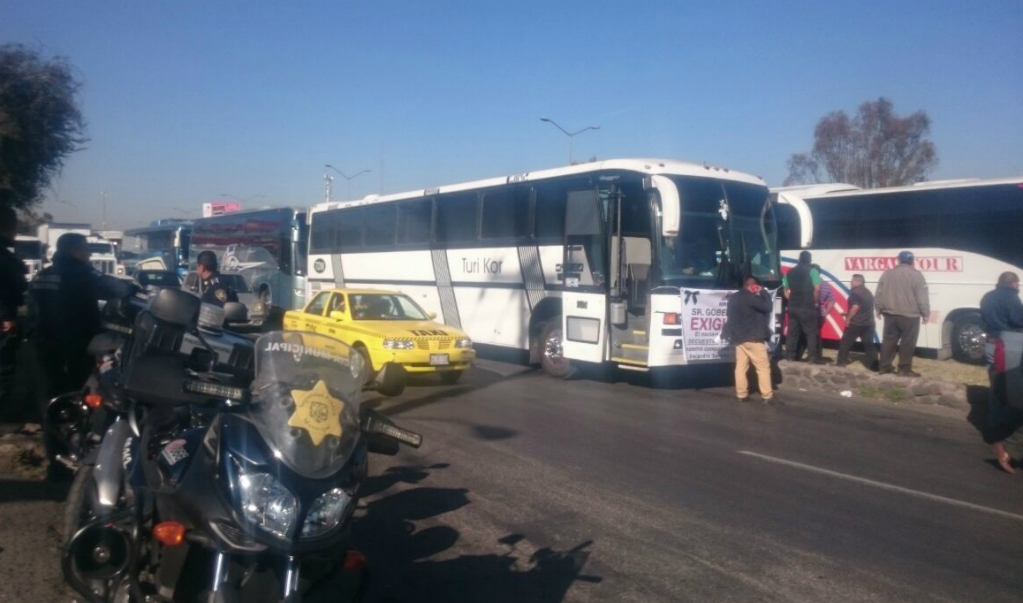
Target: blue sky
189	100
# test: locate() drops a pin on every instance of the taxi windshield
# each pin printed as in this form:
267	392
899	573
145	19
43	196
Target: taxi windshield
385	306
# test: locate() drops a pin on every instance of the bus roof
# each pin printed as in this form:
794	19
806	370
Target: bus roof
647	166
226	216
134	232
936	185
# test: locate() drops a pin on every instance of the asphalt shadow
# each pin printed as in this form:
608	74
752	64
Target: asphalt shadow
15	490
404	559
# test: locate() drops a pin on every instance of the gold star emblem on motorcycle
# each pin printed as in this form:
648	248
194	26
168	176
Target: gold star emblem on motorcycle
317	412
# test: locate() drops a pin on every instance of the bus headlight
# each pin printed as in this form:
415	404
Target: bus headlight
464	343
398	344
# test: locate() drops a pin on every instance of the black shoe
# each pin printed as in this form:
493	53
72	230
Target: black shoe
742	399
773	401
885	371
909	373
842	364
818	361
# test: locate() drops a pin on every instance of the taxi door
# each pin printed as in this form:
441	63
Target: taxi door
334	315
311	318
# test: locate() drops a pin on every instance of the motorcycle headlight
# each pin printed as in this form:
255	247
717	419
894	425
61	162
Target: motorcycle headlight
267	503
464	343
398	344
326	513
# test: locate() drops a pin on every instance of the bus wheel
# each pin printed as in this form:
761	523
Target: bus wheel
553	360
968	338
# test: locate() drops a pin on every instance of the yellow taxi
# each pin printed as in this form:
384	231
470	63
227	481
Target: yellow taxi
392	334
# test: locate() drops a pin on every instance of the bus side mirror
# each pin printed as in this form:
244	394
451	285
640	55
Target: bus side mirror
337	315
431	315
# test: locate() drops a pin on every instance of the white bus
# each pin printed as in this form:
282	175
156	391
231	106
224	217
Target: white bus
964	233
626	261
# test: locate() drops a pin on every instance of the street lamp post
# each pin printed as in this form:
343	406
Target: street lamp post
348	179
569	134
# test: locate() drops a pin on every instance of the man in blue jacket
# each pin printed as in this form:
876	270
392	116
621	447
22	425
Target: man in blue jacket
747	328
1001	311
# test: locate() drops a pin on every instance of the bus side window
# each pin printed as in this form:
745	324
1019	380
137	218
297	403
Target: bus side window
414	221
549	213
456	218
349	228
788	226
584	233
380	224
506	213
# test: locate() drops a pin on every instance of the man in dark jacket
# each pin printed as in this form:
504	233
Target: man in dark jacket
67	315
1002	313
859	323
747	328
12	295
802	290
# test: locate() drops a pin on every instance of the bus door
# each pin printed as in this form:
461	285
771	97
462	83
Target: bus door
585	277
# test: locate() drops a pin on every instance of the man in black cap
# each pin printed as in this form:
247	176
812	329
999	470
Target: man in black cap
903	301
12	295
213	290
802	286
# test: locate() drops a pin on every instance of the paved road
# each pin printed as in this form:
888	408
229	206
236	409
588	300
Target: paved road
529	489
533	489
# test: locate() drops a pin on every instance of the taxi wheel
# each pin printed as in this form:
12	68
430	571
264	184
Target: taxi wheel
450	377
394	380
367	366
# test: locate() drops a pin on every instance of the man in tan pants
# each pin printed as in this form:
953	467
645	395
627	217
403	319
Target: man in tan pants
749	313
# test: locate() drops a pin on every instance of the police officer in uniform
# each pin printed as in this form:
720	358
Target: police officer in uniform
213	291
66	297
12	295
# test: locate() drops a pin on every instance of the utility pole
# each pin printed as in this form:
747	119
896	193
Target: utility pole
328	184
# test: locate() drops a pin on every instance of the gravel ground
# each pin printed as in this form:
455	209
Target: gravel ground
945	370
30	531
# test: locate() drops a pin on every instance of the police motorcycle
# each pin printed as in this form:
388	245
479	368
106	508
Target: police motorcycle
234	472
76	420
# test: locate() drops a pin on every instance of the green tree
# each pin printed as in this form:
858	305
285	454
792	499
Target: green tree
40	122
875	148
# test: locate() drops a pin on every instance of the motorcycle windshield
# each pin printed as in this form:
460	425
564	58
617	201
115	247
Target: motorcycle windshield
305	400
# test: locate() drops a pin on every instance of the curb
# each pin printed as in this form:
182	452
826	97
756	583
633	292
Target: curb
892	388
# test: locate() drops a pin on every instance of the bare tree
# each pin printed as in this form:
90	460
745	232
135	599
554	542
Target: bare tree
40	123
876	148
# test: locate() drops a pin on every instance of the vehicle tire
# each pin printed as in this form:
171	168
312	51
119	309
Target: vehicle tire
552	357
74	505
968	338
367	370
394	382
450	377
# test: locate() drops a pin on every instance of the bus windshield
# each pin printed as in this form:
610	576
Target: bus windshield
728	229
